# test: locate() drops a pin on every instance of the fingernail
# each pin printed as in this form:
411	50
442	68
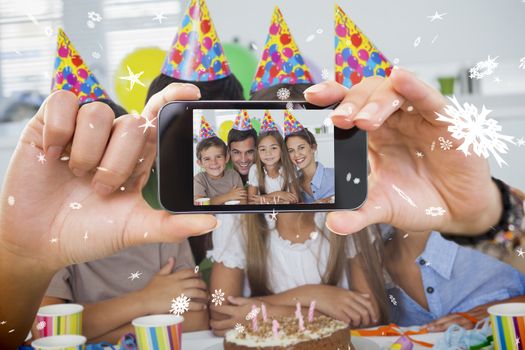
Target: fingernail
54	152
314	89
102	188
217	225
334	231
78	172
345	111
367	111
199	94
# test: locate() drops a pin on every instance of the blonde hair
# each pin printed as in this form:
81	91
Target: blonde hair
289	177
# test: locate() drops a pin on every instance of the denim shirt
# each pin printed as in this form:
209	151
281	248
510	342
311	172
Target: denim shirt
455	279
323	184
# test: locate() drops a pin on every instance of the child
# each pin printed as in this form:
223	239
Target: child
272	178
215	182
433	277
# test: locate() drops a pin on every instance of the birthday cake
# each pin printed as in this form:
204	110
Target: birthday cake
285	332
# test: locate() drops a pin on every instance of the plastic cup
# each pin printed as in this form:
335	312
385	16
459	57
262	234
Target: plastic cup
158	332
508	324
59	319
232	202
60	342
202	201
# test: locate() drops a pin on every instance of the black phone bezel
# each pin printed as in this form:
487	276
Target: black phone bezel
175	187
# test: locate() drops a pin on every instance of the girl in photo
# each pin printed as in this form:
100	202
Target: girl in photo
272	178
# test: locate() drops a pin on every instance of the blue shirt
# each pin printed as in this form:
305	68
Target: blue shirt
455	279
323	184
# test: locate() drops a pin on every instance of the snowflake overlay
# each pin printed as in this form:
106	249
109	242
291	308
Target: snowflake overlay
283	94
217	297
483	68
522	63
180	305
392	299
476	130
327	74
239	328
11	201
435	211
445	145
253	314
75	205
41	325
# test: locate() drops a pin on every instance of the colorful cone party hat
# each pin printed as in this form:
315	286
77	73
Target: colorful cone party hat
281	61
291	125
355	55
242	121
196	53
268	124
72	74
206	131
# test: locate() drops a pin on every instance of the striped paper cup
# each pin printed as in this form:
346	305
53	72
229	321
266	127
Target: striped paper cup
158	332
60	342
59	319
508	325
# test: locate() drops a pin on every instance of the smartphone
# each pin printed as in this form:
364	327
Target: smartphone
257	156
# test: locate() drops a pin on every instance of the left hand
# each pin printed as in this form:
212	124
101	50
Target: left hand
235	312
442	324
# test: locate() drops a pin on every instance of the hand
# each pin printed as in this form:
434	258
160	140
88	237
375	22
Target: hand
236	194
58	201
234	313
351	307
165	286
461	185
442	324
284	196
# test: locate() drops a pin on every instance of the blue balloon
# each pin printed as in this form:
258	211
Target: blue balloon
85	88
347	71
206	61
217	66
375	57
287	67
185	21
57	62
66	71
298	58
272	49
368	71
217	48
168	70
265	76
205	76
98	91
346	53
336	42
90	80
268	65
381	72
347	82
66	86
299	72
212	54
254	86
292	61
194	76
371	63
286	80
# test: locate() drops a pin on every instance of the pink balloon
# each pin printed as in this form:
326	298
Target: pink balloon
274	28
62	51
276	57
288	52
183	39
352	62
340	30
82	73
363	54
207	42
59	78
339	59
265	54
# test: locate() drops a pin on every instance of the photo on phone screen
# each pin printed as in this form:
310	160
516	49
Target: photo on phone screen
257	156
284	148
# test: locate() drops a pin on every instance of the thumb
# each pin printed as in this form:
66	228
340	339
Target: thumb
166	269
147	225
237	301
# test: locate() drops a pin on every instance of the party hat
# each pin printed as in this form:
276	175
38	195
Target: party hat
206	131
291	125
355	55
72	74
242	121
281	61
196	53
268	124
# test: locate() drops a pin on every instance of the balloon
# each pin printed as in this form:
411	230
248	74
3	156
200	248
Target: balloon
148	60
288	52
224	129
243	63
352	62
368	71
356	40
340	30
363	54
339	59
346	53
183	38
375	57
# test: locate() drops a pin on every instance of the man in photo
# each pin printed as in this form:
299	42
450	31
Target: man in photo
241	144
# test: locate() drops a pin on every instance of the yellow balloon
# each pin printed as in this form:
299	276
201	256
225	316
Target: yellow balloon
224	129
149	61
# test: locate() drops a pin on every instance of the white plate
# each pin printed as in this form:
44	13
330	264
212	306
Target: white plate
359	343
215	347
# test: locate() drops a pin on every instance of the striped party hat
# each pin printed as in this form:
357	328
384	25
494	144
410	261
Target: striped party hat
206	131
268	124
291	125
355	55
242	121
71	72
196	53
281	61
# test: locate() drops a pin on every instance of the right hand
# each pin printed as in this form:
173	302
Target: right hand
47	207
165	286
352	307
237	194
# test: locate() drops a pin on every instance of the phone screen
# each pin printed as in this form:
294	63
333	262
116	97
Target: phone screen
262	157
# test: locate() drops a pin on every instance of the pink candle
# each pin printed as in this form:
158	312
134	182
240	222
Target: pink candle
299	316
311	311
263	310
254	319
275	328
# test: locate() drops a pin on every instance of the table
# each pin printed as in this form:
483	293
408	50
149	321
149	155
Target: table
204	340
